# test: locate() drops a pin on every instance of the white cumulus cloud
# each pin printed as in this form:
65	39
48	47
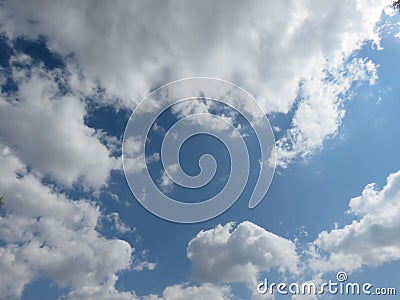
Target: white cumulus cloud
232	253
46	234
47	130
371	239
271	48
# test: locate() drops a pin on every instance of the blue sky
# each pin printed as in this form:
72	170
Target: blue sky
71	74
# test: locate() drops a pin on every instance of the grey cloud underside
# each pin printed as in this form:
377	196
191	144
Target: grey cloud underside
267	47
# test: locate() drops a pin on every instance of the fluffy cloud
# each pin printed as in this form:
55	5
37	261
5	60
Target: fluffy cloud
370	240
44	233
270	48
134	160
282	52
321	111
237	254
183	291
46	128
118	224
104	291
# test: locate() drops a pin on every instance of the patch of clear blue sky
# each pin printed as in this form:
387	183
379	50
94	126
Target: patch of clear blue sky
313	194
